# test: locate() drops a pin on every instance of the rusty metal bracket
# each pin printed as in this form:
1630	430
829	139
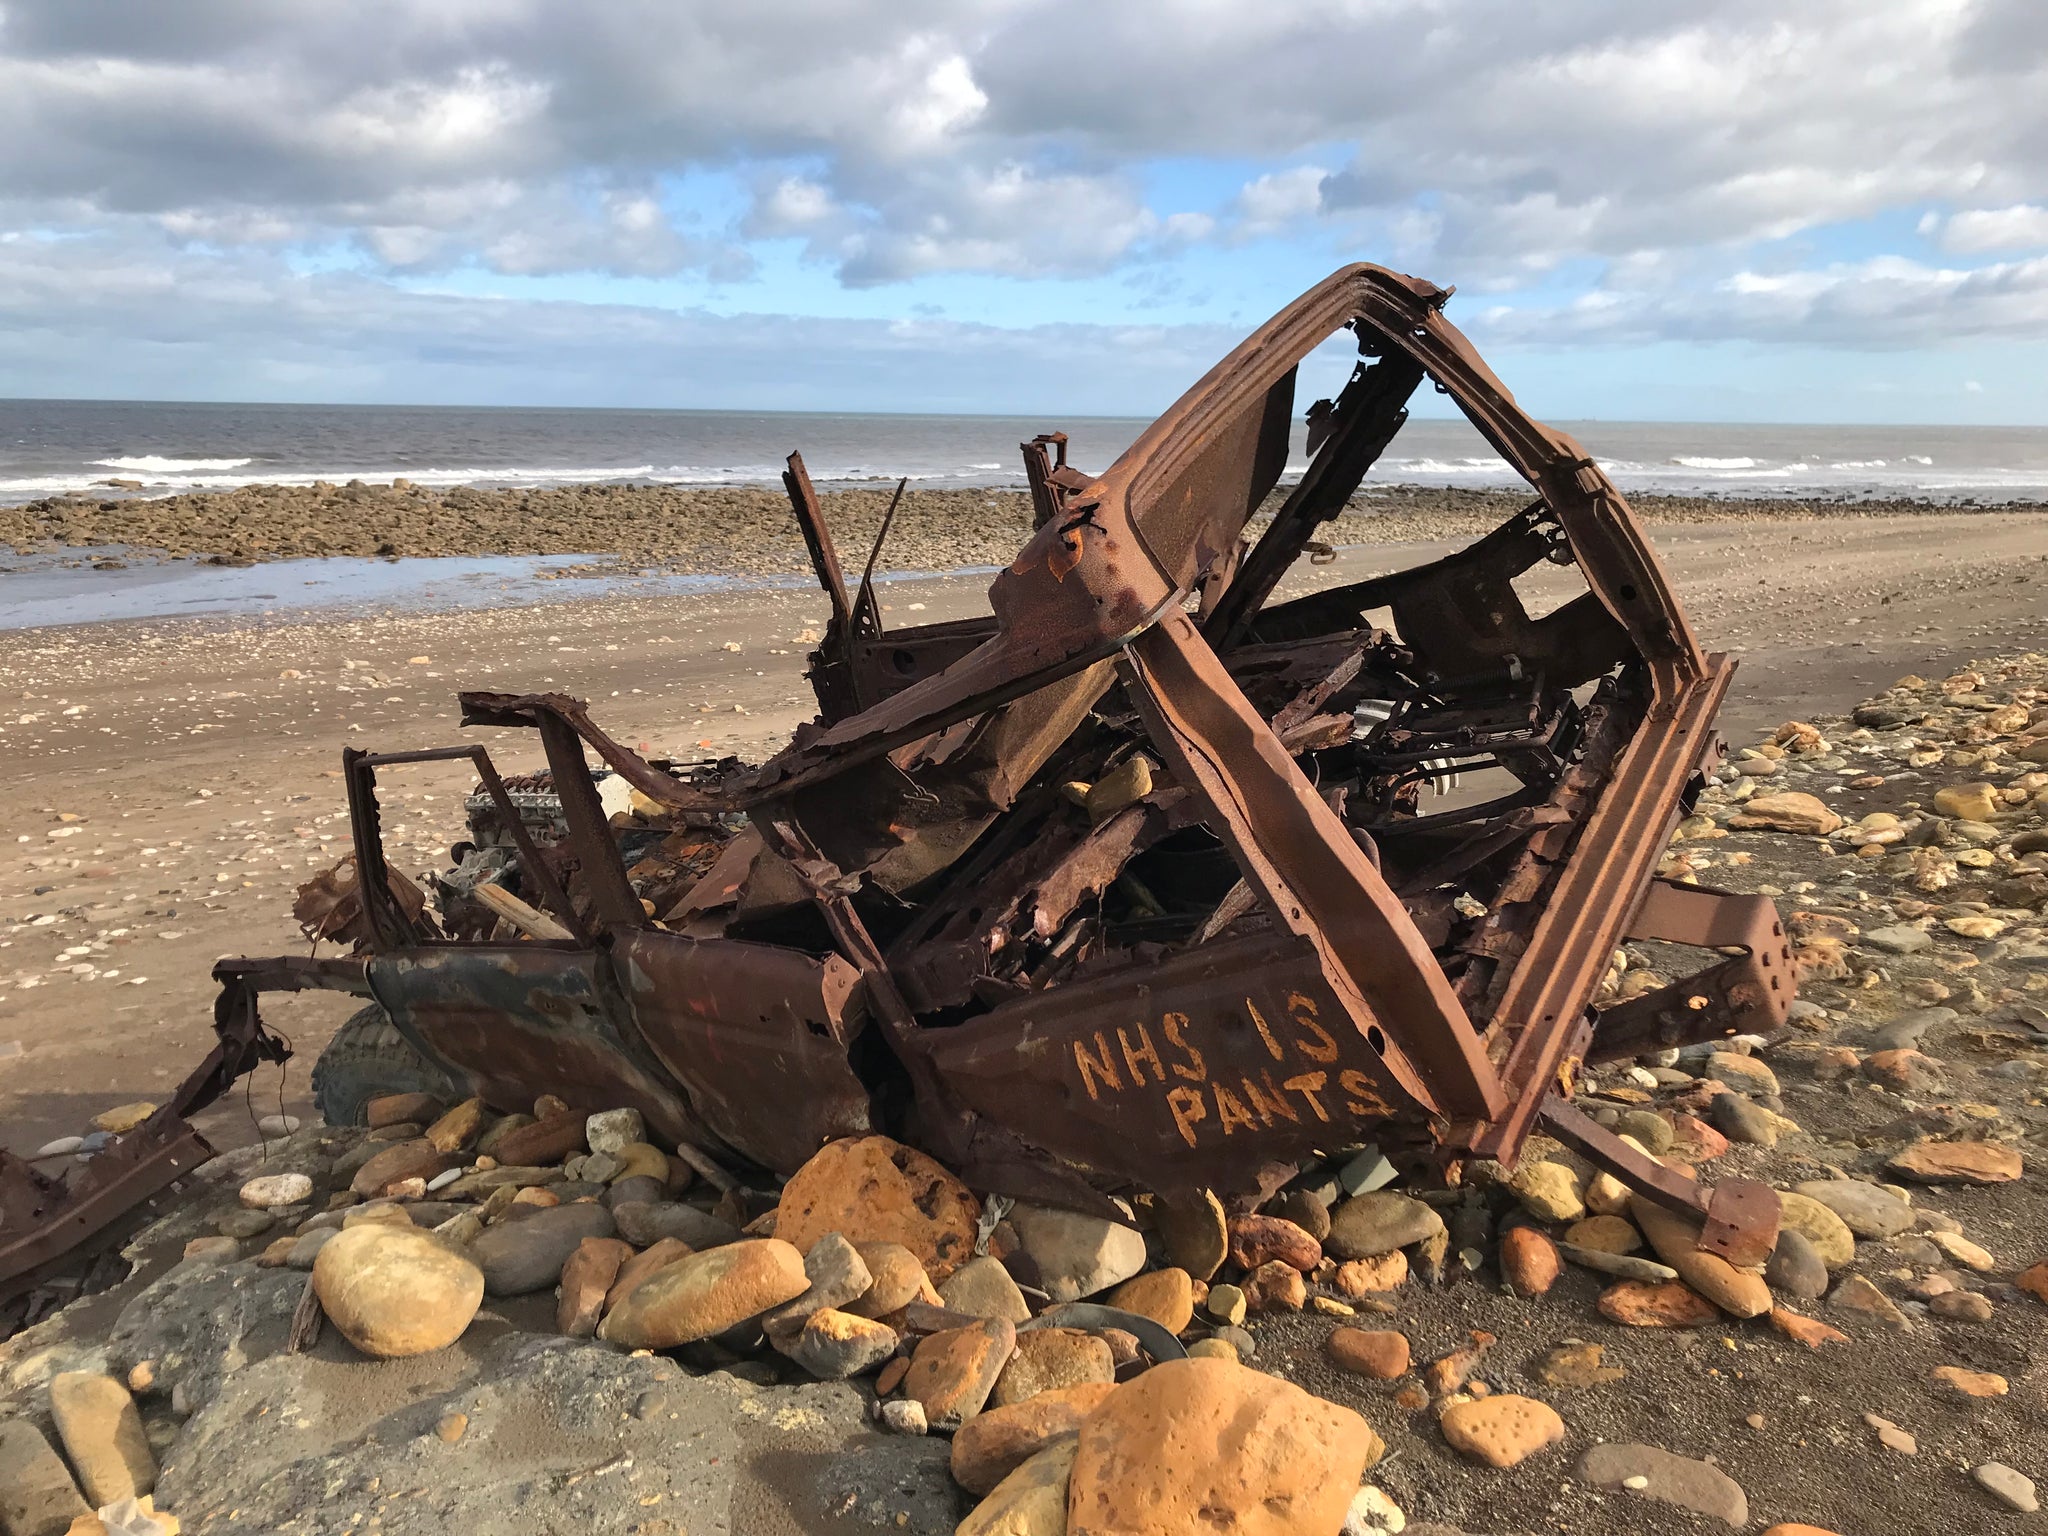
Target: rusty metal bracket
1750	993
1740	1215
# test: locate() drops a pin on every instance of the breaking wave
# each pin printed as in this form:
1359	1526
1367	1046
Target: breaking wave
156	464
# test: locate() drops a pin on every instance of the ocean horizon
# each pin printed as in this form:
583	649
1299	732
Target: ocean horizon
51	447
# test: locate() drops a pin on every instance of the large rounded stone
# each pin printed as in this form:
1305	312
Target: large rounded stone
983	1288
875	1190
36	1492
1548	1191
1195	1233
1827	1232
103	1436
992	1445
1167	1296
953	1372
647	1223
1796	1267
1205	1445
1048	1359
641	1266
1031	1501
1864	1208
406	1160
525	1255
706	1293
1738	1292
1077	1254
1368	1225
395	1291
895	1280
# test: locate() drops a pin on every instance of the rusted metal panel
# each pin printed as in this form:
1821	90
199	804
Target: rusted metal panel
757	1035
518	1020
1190	1071
43	1222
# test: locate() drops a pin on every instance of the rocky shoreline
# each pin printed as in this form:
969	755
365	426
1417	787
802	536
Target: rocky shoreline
725	530
545	1312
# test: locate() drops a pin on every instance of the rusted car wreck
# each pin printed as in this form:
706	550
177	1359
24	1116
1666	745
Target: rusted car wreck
1130	884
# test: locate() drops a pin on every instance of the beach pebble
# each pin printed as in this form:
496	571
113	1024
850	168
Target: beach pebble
953	1372
1078	1255
1641	1304
36	1491
703	1294
1658	1474
276	1189
614	1129
1864	1208
905	1416
1380	1354
1528	1261
1369	1225
1824	1231
277	1125
63	1146
1796	1267
2012	1489
1195	1235
1050	1358
983	1288
102	1435
1167	1296
834	1345
518	1257
1548	1191
1501	1430
993	1444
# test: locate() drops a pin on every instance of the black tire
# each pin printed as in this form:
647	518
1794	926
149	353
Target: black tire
366	1059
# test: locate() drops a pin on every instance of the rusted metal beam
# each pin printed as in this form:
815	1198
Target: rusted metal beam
1301	858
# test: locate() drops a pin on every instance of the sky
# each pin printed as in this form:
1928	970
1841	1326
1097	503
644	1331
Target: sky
1835	211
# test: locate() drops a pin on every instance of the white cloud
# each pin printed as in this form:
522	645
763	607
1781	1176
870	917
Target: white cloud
140	317
1491	143
1885	301
2023	226
1279	200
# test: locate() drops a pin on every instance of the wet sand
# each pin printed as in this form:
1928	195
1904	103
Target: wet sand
197	757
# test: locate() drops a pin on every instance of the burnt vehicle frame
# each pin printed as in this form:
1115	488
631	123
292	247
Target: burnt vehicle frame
908	921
